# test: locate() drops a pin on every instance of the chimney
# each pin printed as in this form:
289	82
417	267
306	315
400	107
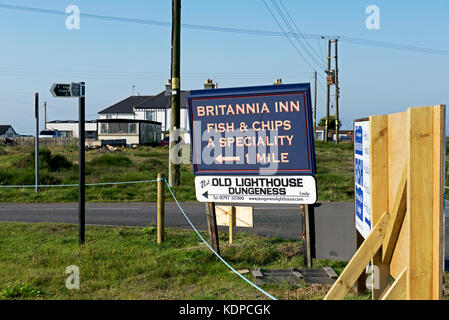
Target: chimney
168	88
278	81
209	84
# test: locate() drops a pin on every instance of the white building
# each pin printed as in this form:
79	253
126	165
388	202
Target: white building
69	128
150	108
131	131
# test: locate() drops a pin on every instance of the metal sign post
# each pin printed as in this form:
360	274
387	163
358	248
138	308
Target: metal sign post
77	90
36	143
81	150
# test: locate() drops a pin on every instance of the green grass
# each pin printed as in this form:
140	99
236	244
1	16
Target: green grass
127	263
59	165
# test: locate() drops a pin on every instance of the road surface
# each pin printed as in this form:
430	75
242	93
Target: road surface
269	220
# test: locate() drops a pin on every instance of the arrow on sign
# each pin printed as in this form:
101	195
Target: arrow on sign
60	90
220	159
66	90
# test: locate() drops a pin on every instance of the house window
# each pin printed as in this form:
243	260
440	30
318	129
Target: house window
149	115
91	135
118	128
104	128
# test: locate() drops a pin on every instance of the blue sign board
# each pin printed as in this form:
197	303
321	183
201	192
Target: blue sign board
265	130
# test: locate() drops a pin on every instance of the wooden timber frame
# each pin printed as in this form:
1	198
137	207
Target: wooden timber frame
407	192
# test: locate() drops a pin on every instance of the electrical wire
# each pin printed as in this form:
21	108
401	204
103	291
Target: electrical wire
316	57
286	35
358	41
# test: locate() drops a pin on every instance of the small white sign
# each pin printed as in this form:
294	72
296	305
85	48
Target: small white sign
362	178
256	189
244	216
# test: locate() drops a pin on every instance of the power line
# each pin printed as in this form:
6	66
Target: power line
300	33
352	40
286	35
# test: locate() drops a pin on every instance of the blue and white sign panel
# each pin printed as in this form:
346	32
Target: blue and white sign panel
266	130
362	178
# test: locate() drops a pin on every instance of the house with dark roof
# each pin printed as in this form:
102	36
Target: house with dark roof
7	131
125	109
150	108
155	108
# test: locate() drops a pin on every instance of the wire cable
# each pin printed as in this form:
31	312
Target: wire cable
358	41
210	248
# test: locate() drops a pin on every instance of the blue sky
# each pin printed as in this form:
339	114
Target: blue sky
37	49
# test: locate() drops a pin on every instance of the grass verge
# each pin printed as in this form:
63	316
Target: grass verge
127	263
58	165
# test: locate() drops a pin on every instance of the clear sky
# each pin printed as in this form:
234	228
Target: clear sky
36	50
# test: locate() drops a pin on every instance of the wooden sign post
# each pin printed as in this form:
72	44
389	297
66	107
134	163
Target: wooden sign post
407	194
212	226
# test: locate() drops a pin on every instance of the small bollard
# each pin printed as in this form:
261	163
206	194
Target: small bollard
160	207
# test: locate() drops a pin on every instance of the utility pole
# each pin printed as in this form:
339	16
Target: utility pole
36	141
45	115
314	106
174	157
326	129
337	94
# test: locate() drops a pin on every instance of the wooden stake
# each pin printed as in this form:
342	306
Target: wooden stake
379	194
420	202
212	226
160	208
397	217
231	224
359	261
398	291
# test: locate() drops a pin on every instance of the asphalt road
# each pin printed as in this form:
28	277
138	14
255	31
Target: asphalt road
284	221
269	220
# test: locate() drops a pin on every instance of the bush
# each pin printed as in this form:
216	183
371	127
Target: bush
20	291
5	176
154	164
58	162
46	161
107	160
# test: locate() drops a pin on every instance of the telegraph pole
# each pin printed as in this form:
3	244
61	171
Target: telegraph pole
326	129
174	157
45	115
314	106
36	141
337	94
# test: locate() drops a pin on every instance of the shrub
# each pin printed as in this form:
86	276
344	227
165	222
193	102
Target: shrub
46	161
5	176
111	161
20	291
